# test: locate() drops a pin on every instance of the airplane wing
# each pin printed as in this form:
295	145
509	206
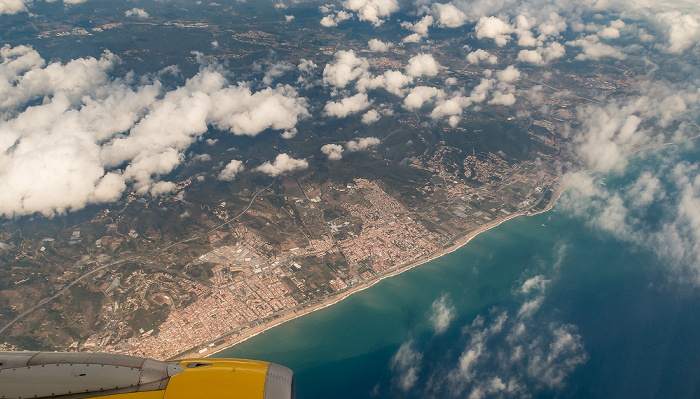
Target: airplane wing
91	375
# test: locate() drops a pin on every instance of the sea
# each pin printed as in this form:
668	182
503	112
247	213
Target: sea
545	306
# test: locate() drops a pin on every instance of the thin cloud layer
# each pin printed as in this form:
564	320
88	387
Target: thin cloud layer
442	314
505	353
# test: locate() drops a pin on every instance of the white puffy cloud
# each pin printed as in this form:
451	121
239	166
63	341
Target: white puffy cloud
593	49
682	30
479	55
420	29
530	56
452	106
523	26
542	55
447	15
347	106
422	65
15	6
609	33
12	6
372	10
137	13
552	25
393	81
419	95
283	164
290	133
93	136
500	98
378	46
361	144
289	18
494	28
24	76
333	151
344	69
370	116
231	170
242	112
510	74
334	19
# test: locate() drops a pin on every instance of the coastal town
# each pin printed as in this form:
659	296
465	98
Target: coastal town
250	287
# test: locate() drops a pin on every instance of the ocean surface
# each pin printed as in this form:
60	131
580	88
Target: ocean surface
542	306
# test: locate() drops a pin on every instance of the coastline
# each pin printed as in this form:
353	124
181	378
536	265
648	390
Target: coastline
290	315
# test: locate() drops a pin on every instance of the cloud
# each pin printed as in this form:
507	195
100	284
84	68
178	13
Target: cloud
442	314
137	13
378	46
593	49
450	107
682	30
370	117
231	170
500	98
609	33
289	18
347	106
372	10
361	144
283	164
610	132
481	55
290	133
334	19
275	71
406	364
505	353
24	76
93	137
420	29
447	15
510	74
15	6
344	69
12	6
393	81
422	65
419	95
494	28
333	151
542	54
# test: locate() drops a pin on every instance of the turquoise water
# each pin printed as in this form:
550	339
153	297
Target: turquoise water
608	322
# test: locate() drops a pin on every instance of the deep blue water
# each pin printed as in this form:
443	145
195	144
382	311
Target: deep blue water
611	322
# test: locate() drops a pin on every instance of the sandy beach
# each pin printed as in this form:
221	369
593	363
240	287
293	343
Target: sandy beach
236	338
